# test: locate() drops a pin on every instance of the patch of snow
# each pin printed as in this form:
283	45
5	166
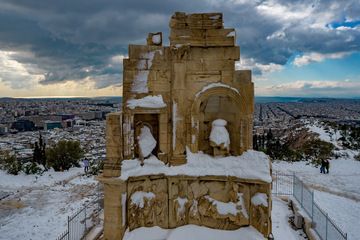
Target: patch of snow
138	198
141	64
214	85
338	193
241	203
215	17
344	211
123	208
250	165
343	178
196	232
194	206
147	102
174	120
182	202
330	136
139	84
260	199
223	207
48	178
231	34
219	134
43	206
281	228
147	142
156	39
232	208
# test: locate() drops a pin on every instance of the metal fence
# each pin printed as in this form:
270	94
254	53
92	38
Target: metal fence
323	225
282	184
84	219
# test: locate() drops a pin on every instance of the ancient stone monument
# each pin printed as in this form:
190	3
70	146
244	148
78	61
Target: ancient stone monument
180	151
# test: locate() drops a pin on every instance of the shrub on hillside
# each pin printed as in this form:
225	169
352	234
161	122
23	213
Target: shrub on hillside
31	168
64	155
317	150
10	163
96	167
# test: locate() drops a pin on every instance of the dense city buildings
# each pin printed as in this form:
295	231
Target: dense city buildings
22	121
280	116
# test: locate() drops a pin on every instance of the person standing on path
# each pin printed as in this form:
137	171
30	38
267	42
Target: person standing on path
86	165
322	167
327	166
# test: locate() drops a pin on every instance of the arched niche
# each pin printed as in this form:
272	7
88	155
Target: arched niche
225	103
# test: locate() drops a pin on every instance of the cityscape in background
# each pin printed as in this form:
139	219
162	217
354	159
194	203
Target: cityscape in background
83	120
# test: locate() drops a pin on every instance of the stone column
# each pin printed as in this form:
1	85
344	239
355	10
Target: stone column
114	208
114	145
178	114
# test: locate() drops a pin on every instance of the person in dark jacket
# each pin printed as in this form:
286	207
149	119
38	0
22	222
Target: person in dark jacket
86	165
327	166
322	167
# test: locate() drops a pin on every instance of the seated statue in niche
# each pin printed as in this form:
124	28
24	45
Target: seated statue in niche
146	143
219	138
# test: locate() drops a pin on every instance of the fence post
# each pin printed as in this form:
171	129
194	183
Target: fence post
85	217
68	228
326	226
302	194
312	205
293	193
277	182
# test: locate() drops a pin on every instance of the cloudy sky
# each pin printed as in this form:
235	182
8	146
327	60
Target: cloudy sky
76	47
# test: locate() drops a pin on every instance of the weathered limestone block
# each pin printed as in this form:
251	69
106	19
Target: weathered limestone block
147	203
147	52
215	53
261	210
114	211
202	203
113	145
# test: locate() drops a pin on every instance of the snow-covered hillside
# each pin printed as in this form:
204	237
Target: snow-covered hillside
338	192
37	207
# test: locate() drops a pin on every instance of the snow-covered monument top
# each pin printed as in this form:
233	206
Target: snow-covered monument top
181	146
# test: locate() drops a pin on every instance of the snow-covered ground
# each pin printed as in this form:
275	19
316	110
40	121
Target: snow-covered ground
280	222
196	232
330	135
338	193
37	208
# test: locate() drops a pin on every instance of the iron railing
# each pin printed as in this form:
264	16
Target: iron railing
291	185
79	223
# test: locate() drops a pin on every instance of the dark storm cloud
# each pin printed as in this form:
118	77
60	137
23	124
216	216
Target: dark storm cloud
77	40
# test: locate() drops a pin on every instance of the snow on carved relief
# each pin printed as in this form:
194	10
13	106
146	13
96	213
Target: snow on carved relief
147	204
214	204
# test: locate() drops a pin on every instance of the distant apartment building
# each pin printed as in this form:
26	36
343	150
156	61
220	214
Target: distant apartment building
23	125
48	125
93	115
3	129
